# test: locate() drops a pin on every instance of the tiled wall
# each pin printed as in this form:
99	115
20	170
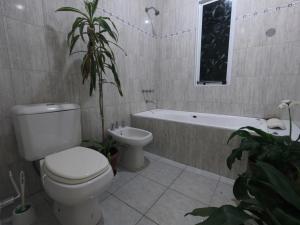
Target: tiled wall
35	67
265	69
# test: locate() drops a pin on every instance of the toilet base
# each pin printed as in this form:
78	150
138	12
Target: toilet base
132	158
88	213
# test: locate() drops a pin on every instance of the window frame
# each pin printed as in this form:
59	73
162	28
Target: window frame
197	75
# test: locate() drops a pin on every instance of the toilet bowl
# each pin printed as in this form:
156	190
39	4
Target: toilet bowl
75	185
133	140
72	176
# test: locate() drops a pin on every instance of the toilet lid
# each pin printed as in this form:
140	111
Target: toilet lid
75	165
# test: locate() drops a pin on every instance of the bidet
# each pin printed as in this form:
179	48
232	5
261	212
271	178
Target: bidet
133	140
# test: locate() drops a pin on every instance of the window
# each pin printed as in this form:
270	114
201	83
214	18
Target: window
215	40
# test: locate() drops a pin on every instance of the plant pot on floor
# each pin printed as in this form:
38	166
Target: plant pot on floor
24	216
114	160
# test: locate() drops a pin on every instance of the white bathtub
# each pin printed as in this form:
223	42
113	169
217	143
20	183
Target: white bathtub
216	120
199	139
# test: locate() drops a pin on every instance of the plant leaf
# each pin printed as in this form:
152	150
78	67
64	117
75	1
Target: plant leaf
261	133
240	188
116	78
81	31
241	133
280	183
227	215
77	23
104	27
73	42
203	212
285	218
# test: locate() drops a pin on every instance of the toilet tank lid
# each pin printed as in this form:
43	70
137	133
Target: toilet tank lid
43	108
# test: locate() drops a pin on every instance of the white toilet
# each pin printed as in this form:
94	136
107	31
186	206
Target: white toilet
72	176
132	156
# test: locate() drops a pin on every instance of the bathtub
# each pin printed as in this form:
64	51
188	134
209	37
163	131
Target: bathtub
199	139
204	119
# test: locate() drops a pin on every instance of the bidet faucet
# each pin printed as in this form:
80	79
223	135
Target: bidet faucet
117	125
112	126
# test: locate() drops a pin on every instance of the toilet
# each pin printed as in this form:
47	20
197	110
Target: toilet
73	176
133	140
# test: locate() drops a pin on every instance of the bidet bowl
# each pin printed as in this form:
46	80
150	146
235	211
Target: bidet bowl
133	139
131	136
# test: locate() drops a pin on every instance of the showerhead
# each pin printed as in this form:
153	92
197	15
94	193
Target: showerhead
147	9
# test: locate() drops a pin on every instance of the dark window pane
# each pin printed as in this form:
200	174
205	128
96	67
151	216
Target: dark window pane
215	41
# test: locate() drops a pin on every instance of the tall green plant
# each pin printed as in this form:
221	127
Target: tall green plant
269	190
99	33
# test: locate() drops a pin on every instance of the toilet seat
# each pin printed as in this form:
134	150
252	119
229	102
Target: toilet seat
75	166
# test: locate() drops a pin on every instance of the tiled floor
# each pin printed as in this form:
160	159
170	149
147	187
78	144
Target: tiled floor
161	194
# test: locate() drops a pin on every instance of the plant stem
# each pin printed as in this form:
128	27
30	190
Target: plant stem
101	105
290	117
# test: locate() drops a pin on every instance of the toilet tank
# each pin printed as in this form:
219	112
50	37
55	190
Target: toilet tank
43	129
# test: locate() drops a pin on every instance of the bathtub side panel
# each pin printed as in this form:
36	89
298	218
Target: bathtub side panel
194	145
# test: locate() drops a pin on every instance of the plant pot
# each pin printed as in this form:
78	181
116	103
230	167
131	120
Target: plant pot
27	217
114	160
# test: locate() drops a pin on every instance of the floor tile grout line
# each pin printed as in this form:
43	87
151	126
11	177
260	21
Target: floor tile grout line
214	192
165	160
207	204
139	220
148	178
168	188
125	183
202	175
144	216
189	197
165	187
182	169
141	213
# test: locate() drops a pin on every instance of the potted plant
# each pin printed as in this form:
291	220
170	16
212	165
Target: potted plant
98	62
108	148
269	190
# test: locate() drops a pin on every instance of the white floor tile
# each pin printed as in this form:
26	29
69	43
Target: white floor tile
160	172
116	212
172	163
195	186
203	173
227	180
140	193
122	177
151	156
171	208
223	195
146	221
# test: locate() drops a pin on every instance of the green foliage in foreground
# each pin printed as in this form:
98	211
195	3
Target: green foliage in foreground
269	191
